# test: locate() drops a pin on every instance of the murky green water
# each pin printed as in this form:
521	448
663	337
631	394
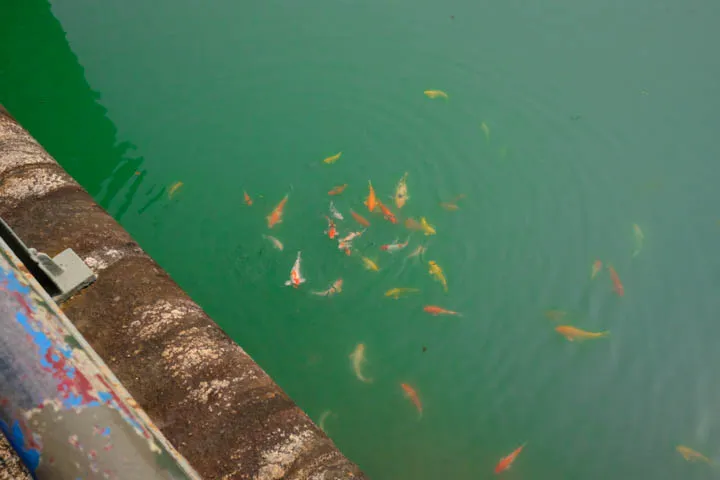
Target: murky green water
601	115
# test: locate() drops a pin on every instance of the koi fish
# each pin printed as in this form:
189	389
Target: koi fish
435	311
437	272
323	418
338	190
396	293
419	251
248	200
276	243
506	462
346	242
359	219
387	213
639	237
331	230
401	195
597	266
370	265
452	205
572	333
413	396
296	278
371	202
435	94
357	358
332	159
486	130
334	212
174	188
691	455
617	285
412	224
394	247
336	287
426	227
275	216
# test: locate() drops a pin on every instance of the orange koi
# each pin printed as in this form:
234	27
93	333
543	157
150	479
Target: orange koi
387	213
275	216
413	396
691	455
572	333
506	462
435	311
338	190
359	219
371	201
597	266
617	285
248	200
331	230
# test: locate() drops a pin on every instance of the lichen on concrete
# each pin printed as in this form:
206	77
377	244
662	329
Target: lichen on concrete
207	396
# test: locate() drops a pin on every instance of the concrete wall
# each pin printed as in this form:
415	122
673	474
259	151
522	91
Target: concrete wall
207	396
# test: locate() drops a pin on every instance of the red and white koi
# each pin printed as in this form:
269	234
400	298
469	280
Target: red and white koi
394	247
334	212
346	242
296	278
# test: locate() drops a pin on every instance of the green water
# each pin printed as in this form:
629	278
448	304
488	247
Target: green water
601	115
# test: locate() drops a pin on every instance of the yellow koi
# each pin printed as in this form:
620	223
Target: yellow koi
435	94
370	265
357	358
401	195
437	272
573	333
639	238
691	455
396	293
332	159
426	227
174	188
486	130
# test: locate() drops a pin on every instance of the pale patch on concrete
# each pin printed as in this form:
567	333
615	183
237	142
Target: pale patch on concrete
160	317
33	183
10	160
192	350
101	259
202	393
277	460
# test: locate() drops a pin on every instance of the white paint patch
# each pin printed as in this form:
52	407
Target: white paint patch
101	259
34	183
160	317
277	460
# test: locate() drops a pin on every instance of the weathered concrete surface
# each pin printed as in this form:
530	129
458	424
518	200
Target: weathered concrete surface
10	466
207	396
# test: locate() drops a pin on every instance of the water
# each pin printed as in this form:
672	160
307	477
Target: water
601	115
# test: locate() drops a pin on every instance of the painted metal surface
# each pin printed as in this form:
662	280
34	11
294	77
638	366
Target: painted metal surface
62	410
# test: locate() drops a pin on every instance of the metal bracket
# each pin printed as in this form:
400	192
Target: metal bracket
61	277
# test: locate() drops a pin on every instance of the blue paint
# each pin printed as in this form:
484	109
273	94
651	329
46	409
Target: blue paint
29	456
105	397
73	400
13	284
105	432
41	340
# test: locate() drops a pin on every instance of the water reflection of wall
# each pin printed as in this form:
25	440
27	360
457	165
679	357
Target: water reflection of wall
44	87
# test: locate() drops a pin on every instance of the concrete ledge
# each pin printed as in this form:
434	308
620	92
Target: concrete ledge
207	396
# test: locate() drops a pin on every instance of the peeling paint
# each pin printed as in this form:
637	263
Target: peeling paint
33	183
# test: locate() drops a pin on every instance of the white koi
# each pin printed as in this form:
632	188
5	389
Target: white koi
296	278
